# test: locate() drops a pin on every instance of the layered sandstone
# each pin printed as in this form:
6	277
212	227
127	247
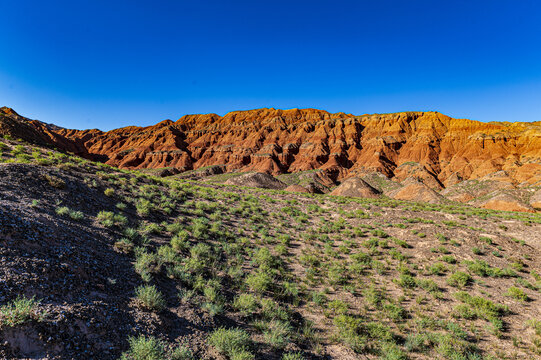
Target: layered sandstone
429	146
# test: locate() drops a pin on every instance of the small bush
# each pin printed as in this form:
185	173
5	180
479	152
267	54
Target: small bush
448	259
109	192
181	353
464	311
259	282
437	268
517	293
110	219
146	264
143	348
292	356
459	279
246	304
20	311
179	242
391	351
395	312
483	308
150	297
407	281
230	342
143	207
74	215
55	182
277	334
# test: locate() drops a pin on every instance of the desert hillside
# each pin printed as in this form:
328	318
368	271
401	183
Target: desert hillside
99	262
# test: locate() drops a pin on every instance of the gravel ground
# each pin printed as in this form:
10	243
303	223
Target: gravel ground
84	285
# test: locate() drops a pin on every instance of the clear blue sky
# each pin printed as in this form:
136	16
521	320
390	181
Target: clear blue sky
106	64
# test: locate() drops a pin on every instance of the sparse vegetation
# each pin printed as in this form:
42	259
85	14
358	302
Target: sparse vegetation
19	311
150	298
284	274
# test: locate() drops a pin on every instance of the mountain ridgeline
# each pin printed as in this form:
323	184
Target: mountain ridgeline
428	145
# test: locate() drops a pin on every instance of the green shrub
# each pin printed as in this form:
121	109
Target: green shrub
350	332
459	279
74	215
109	192
124	245
373	296
379	233
55	182
420	342
19	311
143	348
338	306
200	228
482	268
437	268
109	219
150	297
230	342
181	353
246	304
464	311
319	298
179	242
430	286
146	264
166	254
401	243
482	307
407	281
391	351
143	207
486	239
517	293
277	334
448	259
395	312
259	281
292	356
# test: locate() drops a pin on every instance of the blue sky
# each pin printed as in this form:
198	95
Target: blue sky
106	64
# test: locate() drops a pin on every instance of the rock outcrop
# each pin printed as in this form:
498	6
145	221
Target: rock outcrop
535	200
415	190
297	188
505	202
355	187
258	180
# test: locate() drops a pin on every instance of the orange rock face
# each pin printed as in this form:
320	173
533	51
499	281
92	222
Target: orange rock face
414	190
506	203
426	145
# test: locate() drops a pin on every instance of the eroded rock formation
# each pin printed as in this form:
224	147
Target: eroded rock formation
429	146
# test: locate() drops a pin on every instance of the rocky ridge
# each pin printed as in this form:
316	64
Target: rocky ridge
429	147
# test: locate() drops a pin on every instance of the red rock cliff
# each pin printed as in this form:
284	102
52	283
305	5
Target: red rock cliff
428	145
